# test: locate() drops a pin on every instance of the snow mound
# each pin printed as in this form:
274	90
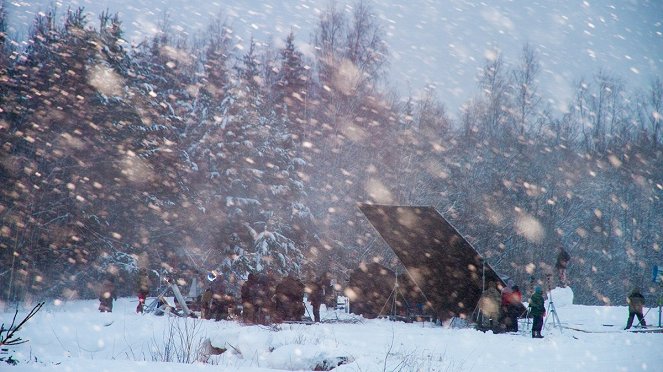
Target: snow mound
286	347
244	340
561	296
306	357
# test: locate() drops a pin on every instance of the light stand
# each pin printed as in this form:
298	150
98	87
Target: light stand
477	315
657	277
483	276
660	305
393	296
660	302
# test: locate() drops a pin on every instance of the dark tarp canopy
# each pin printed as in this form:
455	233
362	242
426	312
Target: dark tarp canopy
444	265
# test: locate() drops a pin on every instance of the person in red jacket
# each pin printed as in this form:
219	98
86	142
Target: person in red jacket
504	305
143	289
514	304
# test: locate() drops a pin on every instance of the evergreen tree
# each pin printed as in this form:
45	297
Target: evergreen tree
4	40
293	77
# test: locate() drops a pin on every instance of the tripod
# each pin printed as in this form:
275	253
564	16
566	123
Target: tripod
392	300
476	314
552	312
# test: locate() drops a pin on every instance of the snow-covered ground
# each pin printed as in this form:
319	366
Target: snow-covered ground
74	336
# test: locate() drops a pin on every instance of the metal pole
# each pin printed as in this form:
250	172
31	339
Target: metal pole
483	275
659	314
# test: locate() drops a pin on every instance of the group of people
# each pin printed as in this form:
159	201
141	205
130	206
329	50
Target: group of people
264	298
108	292
505	317
215	302
537	310
501	308
265	301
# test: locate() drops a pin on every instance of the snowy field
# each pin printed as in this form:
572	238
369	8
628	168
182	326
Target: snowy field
74	336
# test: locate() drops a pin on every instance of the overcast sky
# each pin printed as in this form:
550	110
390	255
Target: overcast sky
443	42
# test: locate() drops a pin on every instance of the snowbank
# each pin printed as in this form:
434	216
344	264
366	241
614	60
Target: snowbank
74	336
561	296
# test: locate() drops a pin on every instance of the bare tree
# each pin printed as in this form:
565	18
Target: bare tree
655	104
602	104
526	98
329	41
366	48
430	115
495	88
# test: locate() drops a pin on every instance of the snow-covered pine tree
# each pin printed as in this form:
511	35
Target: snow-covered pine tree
292	80
260	165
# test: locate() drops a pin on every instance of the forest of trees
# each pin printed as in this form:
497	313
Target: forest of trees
190	154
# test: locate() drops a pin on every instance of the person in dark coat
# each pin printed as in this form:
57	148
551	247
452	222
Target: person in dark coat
205	302
563	258
636	301
248	299
215	300
317	291
142	289
107	294
288	300
537	311
257	298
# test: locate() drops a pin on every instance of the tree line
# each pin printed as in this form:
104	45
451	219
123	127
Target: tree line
193	153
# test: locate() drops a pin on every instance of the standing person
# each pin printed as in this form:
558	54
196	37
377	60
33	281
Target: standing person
514	303
538	311
563	258
143	289
219	306
506	298
635	303
259	294
107	295
317	293
247	293
205	302
489	304
288	299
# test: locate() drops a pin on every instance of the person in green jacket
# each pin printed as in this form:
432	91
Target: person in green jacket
537	310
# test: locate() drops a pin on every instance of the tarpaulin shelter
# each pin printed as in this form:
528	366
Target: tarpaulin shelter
443	264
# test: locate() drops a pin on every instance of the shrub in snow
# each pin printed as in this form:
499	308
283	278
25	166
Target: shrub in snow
181	342
9	337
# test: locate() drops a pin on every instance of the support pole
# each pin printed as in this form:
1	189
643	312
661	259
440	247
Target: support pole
659	314
180	298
